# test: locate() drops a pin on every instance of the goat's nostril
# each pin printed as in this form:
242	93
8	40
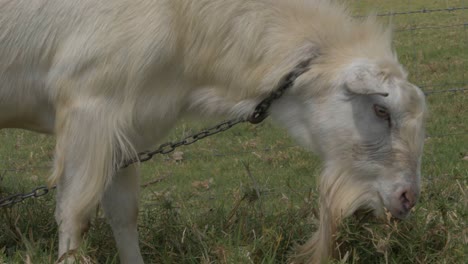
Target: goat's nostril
407	200
403	197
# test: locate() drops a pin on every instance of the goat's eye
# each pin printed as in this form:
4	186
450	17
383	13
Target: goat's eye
381	112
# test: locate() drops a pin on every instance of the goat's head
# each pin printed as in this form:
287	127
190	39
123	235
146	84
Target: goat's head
366	119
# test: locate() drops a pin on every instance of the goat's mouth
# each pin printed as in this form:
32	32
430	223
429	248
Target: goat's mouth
402	206
401	214
398	204
397	212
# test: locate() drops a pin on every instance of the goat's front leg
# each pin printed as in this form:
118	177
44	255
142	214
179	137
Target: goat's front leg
71	223
120	204
83	167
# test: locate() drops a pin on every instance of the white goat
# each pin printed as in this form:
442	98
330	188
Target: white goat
109	78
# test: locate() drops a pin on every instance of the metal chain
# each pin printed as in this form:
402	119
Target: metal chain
259	114
142	157
261	111
17	198
171	146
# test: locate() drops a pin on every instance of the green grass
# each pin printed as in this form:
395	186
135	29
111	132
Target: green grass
205	208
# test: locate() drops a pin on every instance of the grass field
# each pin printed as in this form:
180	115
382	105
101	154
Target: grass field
204	208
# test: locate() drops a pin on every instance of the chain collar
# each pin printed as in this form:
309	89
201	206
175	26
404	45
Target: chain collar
261	111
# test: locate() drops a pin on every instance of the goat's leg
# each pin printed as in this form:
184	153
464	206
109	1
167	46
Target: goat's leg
83	167
120	204
72	224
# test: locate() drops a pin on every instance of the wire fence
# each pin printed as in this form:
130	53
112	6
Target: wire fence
436	23
422	11
454	87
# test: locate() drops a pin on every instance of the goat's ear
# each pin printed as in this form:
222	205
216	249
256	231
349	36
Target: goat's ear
365	79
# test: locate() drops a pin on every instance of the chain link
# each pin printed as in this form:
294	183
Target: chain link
261	111
17	198
171	146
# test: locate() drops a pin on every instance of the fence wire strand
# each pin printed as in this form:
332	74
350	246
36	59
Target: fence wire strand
414	28
453	90
422	11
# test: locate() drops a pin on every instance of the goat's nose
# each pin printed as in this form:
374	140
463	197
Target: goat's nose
408	199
